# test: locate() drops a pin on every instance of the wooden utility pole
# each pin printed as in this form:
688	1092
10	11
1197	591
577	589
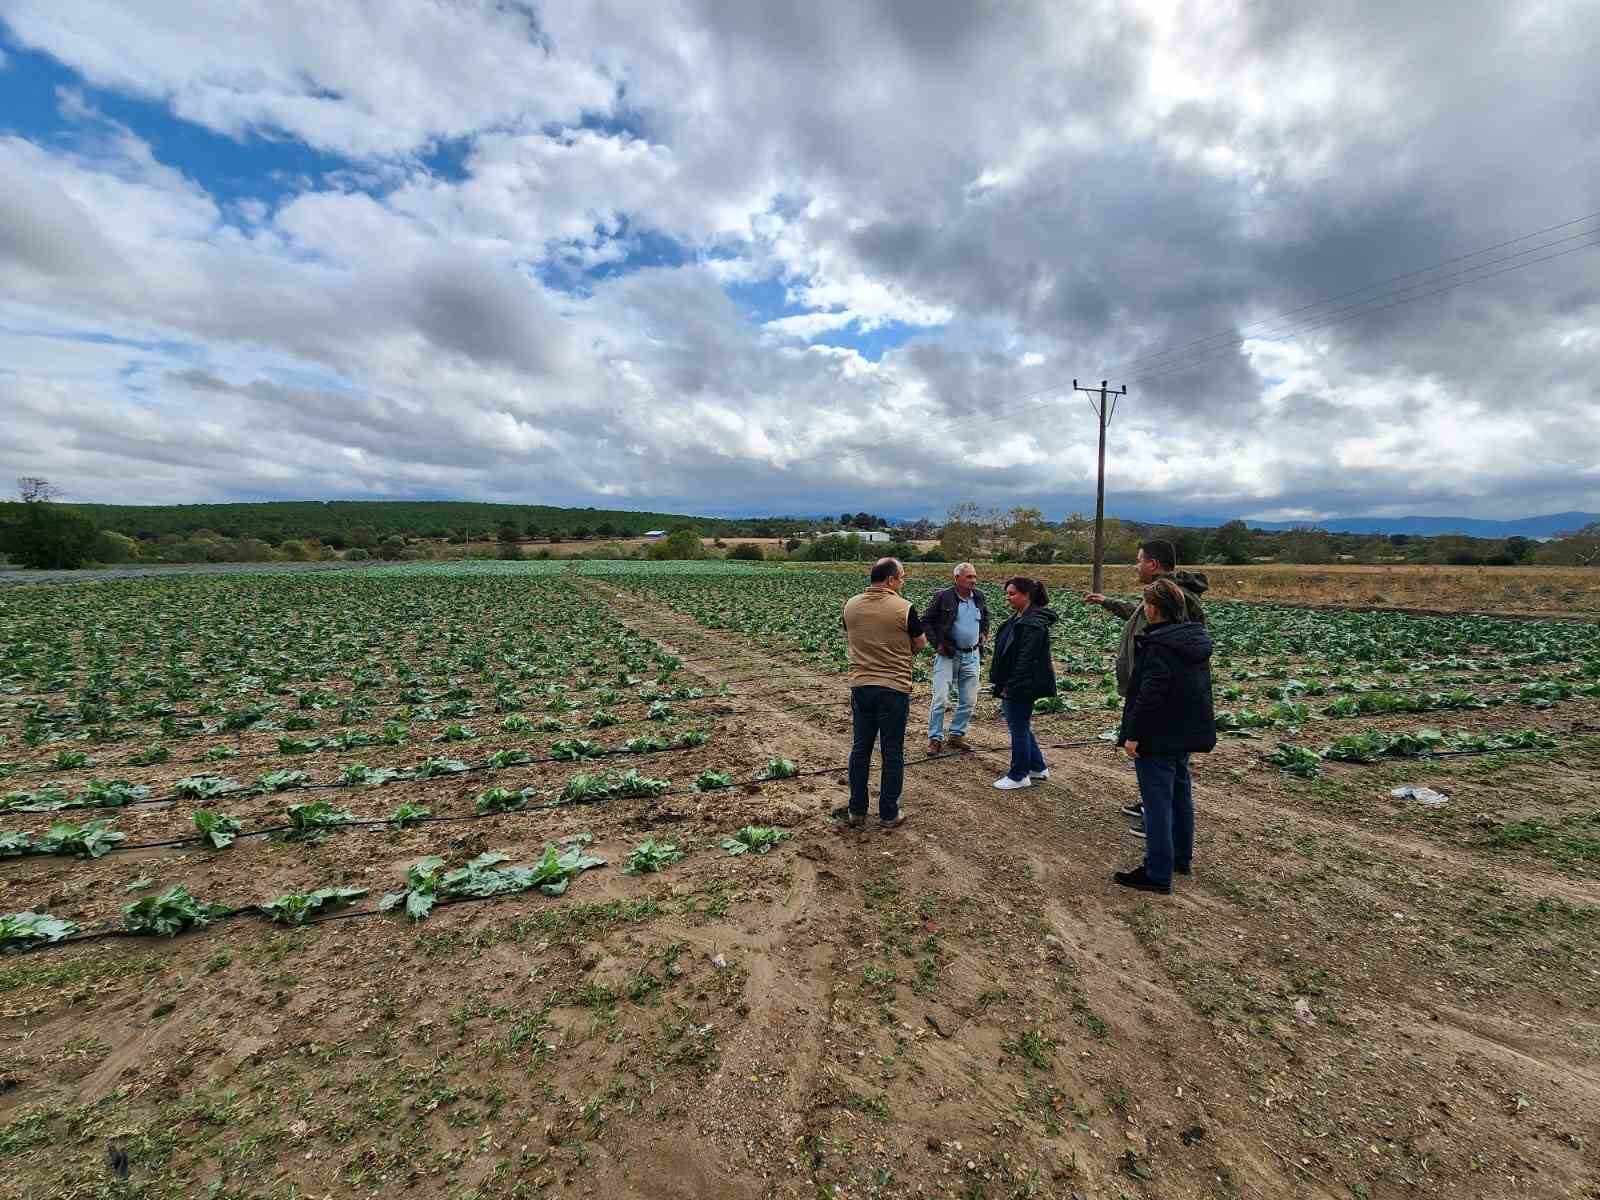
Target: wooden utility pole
1104	403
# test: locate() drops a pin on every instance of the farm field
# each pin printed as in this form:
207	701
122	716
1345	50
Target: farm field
686	979
1546	591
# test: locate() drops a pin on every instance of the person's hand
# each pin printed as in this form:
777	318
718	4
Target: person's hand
1131	749
1094	598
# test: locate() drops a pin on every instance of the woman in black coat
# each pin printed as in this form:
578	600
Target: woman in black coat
1167	716
1020	673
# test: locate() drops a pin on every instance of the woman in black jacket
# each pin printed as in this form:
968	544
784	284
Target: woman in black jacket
1020	673
1167	716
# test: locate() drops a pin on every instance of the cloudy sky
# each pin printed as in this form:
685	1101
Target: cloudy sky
734	256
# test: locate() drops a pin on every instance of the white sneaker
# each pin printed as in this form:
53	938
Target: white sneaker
1044	774
1005	783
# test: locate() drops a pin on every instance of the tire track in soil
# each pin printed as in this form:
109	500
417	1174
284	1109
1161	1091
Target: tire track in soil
808	1006
961	845
1391	1002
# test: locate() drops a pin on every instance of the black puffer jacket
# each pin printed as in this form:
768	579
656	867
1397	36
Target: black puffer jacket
1021	665
1168	710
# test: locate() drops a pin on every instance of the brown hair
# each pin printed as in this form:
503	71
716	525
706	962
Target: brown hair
1168	599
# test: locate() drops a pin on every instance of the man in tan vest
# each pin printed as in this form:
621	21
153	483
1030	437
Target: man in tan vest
884	634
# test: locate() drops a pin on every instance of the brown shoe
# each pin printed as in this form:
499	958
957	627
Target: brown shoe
935	746
958	742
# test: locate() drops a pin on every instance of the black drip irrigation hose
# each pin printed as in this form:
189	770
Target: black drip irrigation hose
252	790
1387	759
384	822
35	772
353	914
251	910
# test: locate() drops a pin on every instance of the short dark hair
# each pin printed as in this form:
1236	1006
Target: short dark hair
1032	588
885	568
1163	551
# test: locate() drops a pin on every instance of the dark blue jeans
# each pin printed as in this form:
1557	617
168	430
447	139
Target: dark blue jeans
1168	813
878	714
1025	756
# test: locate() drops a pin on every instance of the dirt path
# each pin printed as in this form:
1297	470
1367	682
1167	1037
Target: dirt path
1104	1043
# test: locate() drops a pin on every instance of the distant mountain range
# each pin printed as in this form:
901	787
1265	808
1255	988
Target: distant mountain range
1528	527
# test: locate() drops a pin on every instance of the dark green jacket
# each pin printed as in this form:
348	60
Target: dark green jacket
1193	585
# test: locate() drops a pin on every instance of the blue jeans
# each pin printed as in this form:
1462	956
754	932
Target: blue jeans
1025	756
962	671
878	714
1168	813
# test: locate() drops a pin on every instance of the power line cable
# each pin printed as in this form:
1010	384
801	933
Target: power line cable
1115	367
1367	309
1393	298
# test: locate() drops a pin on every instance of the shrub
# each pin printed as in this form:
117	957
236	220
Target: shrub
113	547
45	535
356	554
747	550
680	544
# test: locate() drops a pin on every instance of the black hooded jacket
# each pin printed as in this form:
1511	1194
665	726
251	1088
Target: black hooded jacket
1168	710
1021	665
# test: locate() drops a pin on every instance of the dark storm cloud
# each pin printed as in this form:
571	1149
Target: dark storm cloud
487	312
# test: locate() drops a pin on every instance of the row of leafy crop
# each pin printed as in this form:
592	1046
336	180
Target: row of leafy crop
234	705
101	793
1289	714
1376	745
393	733
41	722
799	611
38	721
269	629
312	820
427	885
259	636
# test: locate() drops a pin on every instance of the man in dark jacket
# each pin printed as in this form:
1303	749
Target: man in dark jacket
957	624
1156	559
1166	717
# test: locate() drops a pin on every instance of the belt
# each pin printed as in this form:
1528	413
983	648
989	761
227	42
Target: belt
966	649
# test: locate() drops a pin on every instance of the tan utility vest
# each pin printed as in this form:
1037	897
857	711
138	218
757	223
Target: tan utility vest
880	647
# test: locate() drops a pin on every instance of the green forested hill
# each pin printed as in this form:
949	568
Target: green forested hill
274	520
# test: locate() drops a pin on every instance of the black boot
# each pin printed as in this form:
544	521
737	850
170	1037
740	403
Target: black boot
1140	881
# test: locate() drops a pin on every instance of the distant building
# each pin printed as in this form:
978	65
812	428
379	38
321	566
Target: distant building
875	535
655	534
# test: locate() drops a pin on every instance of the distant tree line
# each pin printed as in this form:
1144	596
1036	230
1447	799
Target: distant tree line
342	523
36	530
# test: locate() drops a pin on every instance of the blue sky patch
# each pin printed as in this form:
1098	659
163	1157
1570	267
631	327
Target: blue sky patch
873	344
764	300
255	167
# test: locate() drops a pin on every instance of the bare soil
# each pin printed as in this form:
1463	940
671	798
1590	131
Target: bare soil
1352	996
